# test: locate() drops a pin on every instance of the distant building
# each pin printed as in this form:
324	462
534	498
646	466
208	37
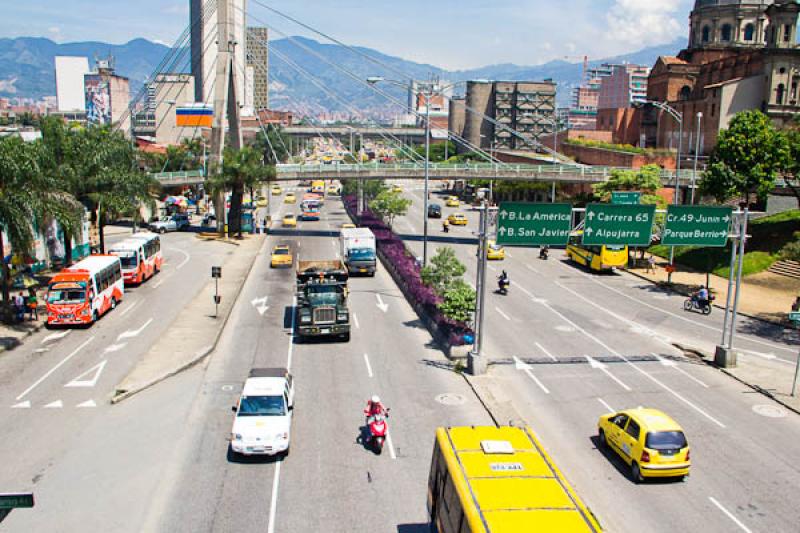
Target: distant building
626	86
157	121
70	71
258	59
528	107
107	97
582	114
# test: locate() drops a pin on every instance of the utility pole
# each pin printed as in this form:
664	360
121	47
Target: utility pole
476	362
696	152
724	355
427	175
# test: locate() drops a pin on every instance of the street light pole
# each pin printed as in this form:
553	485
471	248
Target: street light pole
427	174
696	152
475	361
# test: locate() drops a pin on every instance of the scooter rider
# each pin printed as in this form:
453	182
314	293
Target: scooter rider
502	280
543	251
701	297
375	407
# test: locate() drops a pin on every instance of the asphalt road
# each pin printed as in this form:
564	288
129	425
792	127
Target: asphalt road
569	346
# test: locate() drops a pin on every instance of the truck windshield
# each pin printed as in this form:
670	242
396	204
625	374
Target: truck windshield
361	254
323	294
262	406
66	293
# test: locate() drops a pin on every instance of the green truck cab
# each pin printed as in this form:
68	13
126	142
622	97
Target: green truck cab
322	300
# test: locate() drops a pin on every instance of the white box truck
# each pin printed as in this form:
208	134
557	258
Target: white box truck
358	250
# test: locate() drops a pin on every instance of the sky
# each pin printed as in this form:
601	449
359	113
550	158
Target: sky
453	34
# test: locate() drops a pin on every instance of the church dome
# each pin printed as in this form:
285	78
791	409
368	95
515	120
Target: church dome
729	23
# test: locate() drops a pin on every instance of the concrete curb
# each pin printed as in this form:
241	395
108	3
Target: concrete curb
718	306
30	332
199	356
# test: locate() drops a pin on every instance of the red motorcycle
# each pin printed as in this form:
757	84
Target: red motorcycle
378	428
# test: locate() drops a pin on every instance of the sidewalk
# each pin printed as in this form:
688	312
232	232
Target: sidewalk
765	296
195	331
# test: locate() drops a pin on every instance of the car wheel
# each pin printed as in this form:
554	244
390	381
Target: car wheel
162	230
113	303
636	473
601	439
95	317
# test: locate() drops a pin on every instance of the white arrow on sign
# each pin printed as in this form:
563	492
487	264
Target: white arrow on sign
502	231
503	215
588	231
590	216
260	304
95	372
382	306
134	332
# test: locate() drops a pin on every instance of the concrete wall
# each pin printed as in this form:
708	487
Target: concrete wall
612	158
172	91
120	102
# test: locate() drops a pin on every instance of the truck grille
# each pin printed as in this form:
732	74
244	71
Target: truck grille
325	315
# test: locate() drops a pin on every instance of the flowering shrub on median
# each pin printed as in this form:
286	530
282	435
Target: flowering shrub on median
404	265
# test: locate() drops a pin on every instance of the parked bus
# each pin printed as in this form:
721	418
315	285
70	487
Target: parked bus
500	480
597	258
140	256
310	207
82	293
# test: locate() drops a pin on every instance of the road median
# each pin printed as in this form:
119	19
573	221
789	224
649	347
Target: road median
195	331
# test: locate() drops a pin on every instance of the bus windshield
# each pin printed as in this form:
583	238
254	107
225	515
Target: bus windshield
129	260
67	293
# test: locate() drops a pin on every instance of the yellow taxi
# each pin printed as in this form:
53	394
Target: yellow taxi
651	442
290	198
261	202
397	188
457	219
281	256
333	190
495	251
453	201
289	221
276	190
347	225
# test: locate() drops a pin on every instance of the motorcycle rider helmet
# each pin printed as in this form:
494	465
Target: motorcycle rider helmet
375	399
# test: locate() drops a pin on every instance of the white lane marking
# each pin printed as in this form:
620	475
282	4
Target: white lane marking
291	338
333	243
530	268
548	354
95	372
391	446
274	501
59	365
369	367
115	348
674	364
521	365
58	404
260	304
41	350
87	403
158	283
130	307
22	405
730	515
509	254
134	332
635	367
604	368
529	293
502	313
56	336
355	321
382	306
186	260
610	409
768	356
493	269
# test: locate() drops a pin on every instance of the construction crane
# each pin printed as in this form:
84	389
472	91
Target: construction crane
585	65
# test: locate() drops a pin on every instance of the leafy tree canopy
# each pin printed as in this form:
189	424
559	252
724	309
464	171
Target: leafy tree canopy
444	269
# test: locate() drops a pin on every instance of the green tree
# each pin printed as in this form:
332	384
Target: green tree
443	271
388	205
372	188
459	302
749	155
274	144
646	180
240	169
438	151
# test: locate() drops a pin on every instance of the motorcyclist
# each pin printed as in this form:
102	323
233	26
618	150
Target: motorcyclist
701	297
502	280
375	407
543	251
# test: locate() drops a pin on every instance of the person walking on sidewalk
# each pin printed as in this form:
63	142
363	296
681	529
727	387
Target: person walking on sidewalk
19	307
33	304
651	265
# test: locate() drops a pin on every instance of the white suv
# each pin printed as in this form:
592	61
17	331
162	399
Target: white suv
263	422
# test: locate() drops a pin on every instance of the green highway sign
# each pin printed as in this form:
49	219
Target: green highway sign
526	224
13	501
618	225
696	226
626	197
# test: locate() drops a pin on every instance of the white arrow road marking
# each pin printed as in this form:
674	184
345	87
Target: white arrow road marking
767	356
185	260
548	354
525	367
115	348
58	404
604	368
88	403
382	306
96	369
22	405
610	409
41	350
56	336
673	364
49	372
260	304
134	332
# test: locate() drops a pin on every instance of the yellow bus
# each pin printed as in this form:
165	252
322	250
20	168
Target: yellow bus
598	258
318	187
500	480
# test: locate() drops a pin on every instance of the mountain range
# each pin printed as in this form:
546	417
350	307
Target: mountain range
27	70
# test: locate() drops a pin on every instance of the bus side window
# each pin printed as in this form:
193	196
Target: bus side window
452	503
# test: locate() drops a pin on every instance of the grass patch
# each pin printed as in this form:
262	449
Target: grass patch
768	236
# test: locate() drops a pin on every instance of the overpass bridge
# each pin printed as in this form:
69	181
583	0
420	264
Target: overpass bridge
409	136
564	174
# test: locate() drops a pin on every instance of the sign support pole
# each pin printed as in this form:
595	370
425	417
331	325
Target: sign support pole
742	241
476	362
724	355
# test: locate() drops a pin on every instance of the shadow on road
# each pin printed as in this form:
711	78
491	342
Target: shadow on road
623	468
234	457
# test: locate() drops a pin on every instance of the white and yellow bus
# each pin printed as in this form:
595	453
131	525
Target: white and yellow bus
597	258
500	480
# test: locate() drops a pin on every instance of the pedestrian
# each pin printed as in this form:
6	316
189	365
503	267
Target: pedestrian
796	305
651	264
19	307
33	304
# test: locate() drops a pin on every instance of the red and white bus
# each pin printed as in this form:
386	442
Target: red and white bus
82	293
140	256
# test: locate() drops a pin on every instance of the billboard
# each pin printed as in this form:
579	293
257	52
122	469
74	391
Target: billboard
98	99
70	95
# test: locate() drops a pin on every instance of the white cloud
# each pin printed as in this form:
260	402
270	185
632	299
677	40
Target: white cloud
644	22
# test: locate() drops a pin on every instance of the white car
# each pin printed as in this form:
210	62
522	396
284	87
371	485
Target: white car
263	423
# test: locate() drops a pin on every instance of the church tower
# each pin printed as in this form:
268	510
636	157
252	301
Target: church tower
782	61
717	24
